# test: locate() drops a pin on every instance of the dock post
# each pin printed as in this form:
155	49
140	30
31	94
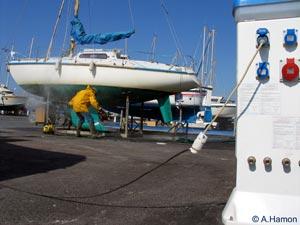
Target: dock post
126	117
131	123
47	106
180	114
121	122
142	119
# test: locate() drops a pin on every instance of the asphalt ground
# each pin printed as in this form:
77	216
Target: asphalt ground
61	179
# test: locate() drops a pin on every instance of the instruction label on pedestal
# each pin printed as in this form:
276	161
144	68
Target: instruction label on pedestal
286	133
257	98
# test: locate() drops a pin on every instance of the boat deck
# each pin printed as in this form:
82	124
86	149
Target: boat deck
61	179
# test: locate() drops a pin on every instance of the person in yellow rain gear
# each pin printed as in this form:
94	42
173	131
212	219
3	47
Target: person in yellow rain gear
80	104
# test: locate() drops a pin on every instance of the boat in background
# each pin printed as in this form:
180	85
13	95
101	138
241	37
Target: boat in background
9	102
217	102
195	99
190	103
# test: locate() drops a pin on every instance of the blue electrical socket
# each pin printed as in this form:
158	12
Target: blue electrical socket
262	34
290	37
262	71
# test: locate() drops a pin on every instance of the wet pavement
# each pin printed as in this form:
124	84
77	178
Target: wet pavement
61	179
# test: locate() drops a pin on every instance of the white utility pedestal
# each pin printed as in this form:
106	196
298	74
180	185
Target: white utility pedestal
268	110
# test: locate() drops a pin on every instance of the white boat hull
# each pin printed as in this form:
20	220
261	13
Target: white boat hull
228	112
10	101
113	83
110	76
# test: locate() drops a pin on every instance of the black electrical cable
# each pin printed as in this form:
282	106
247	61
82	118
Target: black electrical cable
207	204
132	181
67	198
70	200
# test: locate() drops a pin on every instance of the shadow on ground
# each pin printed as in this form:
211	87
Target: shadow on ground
18	161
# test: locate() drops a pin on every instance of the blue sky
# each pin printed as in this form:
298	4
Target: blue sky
20	20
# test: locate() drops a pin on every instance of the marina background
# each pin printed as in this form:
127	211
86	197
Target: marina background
20	21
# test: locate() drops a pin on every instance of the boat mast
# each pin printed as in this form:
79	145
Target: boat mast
76	8
203	52
206	62
132	23
71	49
212	60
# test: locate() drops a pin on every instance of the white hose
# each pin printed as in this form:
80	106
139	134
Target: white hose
202	138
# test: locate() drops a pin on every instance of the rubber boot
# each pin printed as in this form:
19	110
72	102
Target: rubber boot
93	130
78	129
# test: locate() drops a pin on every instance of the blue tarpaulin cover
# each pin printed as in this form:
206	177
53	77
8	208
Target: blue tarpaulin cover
79	35
237	3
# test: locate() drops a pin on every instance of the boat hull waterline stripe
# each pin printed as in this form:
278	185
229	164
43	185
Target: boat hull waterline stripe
101	65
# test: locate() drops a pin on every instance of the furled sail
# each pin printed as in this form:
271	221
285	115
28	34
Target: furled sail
79	35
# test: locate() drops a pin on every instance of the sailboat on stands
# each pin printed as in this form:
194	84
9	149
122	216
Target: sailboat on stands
113	74
9	101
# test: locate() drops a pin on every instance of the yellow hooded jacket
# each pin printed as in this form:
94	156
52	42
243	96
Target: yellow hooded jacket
83	99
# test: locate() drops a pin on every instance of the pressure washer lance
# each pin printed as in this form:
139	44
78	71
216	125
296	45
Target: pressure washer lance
202	138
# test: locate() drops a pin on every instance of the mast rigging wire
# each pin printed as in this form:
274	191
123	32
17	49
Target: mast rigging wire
54	30
197	47
131	14
67	24
212	60
90	21
173	31
203	57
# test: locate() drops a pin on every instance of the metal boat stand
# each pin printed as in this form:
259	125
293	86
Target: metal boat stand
124	121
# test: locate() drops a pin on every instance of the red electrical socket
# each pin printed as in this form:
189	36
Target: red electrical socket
290	71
